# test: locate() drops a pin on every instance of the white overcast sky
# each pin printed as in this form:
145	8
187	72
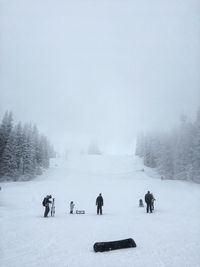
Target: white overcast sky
99	69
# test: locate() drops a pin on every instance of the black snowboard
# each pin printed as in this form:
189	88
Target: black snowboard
112	245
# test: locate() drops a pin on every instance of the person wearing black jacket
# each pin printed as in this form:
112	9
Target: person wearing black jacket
46	203
99	204
148	199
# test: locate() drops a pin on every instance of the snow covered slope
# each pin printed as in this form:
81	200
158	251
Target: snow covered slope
167	238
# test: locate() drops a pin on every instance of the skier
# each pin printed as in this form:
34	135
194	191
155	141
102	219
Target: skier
148	199
99	204
46	203
72	205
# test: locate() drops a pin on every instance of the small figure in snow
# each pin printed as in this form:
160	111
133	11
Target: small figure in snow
148	199
46	203
72	205
99	204
152	202
141	204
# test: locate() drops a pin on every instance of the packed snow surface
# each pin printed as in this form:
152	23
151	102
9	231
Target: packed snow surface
169	237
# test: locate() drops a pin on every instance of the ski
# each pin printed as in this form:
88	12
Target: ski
53	208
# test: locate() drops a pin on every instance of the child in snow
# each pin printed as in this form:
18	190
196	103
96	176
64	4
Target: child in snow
72	205
141	204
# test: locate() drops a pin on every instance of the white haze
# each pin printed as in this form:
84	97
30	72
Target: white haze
103	70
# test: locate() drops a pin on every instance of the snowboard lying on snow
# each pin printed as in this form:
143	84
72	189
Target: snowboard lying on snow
112	245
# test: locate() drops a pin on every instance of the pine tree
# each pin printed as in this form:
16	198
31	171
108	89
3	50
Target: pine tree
196	150
9	166
140	145
28	152
18	152
24	153
44	152
93	148
181	151
165	162
5	131
175	154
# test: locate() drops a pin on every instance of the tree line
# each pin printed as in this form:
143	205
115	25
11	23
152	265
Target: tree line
24	152
175	154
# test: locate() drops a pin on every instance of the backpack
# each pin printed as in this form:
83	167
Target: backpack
44	202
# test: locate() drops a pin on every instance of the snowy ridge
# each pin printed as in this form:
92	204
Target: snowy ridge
168	237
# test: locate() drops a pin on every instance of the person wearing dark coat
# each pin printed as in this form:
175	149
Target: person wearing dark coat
99	204
148	199
47	201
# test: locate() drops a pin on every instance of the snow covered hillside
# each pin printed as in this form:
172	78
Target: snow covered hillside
167	238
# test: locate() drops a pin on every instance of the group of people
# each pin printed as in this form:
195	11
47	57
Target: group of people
99	204
149	199
47	201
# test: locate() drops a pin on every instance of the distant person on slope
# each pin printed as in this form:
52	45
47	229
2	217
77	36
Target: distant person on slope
99	204
46	203
72	205
141	204
148	199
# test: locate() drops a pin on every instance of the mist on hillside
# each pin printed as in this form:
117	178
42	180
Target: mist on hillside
99	70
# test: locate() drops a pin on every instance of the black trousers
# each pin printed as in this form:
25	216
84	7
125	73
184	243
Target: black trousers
149	207
99	209
46	212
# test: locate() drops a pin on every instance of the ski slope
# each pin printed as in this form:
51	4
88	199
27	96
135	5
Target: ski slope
167	238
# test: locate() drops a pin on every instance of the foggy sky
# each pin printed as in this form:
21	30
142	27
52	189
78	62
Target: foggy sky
99	70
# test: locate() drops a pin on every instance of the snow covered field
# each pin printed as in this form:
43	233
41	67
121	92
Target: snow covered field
167	238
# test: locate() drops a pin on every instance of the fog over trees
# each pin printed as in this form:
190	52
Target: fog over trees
103	71
24	152
175	154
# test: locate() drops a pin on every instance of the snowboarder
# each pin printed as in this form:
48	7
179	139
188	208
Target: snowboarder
99	204
148	199
72	205
141	204
46	203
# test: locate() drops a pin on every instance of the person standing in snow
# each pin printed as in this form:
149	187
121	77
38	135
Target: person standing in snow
148	199
72	205
99	204
141	203
46	203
